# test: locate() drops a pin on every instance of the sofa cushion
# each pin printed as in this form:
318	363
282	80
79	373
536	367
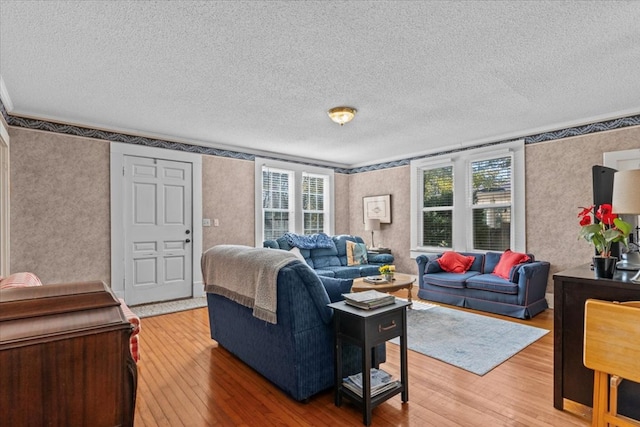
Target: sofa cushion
449	280
356	253
454	262
297	253
283	244
368	270
508	260
336	287
493	283
490	260
344	272
325	273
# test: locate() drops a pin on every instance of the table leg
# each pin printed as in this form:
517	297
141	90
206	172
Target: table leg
409	295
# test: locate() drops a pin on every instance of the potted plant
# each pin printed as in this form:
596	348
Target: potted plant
387	272
602	235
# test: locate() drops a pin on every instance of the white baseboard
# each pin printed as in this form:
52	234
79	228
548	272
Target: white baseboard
549	298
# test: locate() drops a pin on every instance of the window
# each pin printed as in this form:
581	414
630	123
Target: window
491	203
276	193
292	198
313	203
472	200
437	207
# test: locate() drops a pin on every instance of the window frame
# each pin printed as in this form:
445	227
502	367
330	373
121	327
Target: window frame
474	206
296	220
462	241
438	164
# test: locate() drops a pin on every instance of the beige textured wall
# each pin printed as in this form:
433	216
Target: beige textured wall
60	227
228	195
396	236
558	182
341	201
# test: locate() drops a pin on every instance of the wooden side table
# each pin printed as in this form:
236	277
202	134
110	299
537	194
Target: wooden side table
367	329
379	250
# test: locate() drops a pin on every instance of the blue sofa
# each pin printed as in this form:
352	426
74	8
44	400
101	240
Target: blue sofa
296	353
332	262
522	295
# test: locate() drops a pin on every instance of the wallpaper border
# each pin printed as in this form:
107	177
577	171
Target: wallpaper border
160	143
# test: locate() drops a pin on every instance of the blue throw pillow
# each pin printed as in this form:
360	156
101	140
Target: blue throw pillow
336	287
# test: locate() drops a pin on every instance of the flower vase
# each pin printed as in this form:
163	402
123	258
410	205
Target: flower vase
604	267
388	277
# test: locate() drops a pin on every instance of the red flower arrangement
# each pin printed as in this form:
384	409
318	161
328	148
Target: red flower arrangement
610	229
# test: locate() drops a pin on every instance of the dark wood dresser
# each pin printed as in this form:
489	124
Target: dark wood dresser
65	357
571	379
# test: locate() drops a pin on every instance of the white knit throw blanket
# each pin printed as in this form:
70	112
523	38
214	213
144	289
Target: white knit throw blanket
246	275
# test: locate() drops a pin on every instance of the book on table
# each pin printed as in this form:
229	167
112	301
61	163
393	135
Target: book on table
376	280
380	382
368	299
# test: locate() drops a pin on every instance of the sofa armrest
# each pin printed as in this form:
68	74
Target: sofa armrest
532	281
270	244
375	258
336	287
427	264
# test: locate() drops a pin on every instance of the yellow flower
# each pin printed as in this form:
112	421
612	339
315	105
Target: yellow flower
387	269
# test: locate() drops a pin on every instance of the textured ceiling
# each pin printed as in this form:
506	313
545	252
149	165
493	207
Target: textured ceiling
258	77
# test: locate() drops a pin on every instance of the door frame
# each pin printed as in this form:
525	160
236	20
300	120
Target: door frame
5	210
118	152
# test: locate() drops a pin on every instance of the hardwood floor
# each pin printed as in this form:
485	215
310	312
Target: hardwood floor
185	378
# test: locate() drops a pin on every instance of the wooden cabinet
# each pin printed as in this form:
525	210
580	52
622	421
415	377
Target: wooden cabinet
65	357
571	290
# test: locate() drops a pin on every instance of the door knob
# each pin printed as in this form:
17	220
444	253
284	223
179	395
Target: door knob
188	240
188	231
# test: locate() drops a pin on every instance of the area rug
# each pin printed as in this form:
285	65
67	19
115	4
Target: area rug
148	310
469	341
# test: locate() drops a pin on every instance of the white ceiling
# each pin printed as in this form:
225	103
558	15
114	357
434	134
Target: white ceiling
258	76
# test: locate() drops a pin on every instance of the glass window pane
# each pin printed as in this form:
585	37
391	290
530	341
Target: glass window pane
313	204
437	228
275	224
438	187
492	229
491	181
313	223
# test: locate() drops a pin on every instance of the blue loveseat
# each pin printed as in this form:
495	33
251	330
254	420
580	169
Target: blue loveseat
332	261
522	295
296	353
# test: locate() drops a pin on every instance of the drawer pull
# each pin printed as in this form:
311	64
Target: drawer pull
387	328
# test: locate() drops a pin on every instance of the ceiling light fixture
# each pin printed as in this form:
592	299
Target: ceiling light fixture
342	115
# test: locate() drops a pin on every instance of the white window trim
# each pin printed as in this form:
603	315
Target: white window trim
462	220
5	210
298	170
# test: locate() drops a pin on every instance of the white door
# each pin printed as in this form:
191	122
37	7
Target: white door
158	230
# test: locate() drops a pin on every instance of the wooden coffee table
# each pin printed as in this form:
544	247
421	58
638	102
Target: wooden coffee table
401	281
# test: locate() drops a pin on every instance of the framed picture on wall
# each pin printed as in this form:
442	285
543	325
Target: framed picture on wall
377	207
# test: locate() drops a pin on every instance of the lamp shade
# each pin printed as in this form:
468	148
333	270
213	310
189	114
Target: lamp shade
372	224
626	192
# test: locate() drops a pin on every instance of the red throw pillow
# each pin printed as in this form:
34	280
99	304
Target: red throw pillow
507	261
454	262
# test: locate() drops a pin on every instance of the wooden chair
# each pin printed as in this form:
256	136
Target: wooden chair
611	348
